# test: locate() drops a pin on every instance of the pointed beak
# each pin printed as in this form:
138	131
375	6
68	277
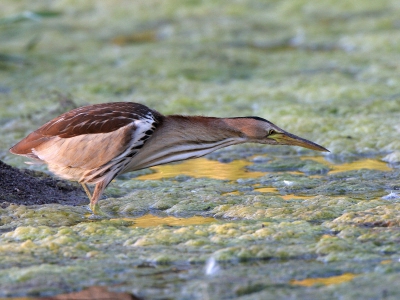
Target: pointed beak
287	138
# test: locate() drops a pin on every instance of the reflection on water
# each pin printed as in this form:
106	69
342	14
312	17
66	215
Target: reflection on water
202	167
324	281
355	165
151	221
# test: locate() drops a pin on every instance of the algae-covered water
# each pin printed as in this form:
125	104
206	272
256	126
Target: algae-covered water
250	221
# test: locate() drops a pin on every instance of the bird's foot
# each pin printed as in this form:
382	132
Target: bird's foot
97	212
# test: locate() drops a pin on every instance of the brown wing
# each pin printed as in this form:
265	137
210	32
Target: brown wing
86	120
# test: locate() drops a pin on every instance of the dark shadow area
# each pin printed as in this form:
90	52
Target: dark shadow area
26	187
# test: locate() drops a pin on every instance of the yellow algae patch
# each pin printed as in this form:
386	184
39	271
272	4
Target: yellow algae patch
136	37
267	190
355	165
362	164
150	221
324	281
235	193
202	167
291	196
275	191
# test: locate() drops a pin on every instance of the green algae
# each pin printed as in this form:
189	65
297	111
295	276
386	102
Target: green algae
332	82
326	71
322	228
309	167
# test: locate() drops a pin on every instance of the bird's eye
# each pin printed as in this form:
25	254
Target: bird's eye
271	131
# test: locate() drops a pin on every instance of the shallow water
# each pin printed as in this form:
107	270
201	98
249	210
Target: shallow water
254	220
324	281
203	167
150	220
272	215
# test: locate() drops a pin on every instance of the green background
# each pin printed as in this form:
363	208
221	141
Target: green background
325	70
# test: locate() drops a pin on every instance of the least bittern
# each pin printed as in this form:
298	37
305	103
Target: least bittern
94	144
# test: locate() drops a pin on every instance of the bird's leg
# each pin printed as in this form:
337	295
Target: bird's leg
87	191
98	191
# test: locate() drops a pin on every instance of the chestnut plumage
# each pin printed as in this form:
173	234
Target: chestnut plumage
94	144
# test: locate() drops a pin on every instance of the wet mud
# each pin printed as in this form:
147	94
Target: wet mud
26	187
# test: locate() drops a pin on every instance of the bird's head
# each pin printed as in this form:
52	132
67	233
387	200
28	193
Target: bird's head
259	130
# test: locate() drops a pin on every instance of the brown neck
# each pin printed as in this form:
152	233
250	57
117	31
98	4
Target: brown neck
183	137
200	129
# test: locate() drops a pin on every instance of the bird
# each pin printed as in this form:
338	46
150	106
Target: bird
93	144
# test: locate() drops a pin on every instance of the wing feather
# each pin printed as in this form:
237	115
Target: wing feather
90	120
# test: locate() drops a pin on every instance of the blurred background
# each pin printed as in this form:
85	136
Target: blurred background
293	228
325	70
